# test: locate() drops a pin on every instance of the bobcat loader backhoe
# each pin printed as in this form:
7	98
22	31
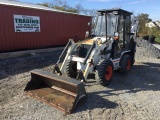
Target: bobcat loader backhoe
110	47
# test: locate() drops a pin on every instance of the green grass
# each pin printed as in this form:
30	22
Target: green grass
157	40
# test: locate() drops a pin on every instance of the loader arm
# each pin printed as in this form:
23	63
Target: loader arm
64	55
69	52
85	65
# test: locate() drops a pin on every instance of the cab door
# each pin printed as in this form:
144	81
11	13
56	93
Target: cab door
118	45
124	33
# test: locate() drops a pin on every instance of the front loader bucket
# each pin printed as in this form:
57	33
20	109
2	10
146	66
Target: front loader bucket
57	91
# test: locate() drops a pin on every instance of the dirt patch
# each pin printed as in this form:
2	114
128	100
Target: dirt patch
132	96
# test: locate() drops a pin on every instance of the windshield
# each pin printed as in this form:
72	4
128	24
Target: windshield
100	28
112	21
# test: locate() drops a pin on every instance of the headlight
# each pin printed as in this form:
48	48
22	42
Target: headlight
116	34
87	34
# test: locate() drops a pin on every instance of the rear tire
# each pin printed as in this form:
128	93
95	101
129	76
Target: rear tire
71	69
125	64
104	72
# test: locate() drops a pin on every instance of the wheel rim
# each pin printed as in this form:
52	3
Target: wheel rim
128	64
109	72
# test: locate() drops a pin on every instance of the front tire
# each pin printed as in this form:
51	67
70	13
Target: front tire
104	72
71	69
125	64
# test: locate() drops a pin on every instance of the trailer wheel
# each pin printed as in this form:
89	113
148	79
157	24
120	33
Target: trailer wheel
71	69
104	72
125	64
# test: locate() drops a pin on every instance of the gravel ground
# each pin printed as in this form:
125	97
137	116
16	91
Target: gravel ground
135	96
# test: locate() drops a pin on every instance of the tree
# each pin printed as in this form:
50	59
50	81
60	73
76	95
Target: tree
63	5
60	5
79	8
46	4
143	19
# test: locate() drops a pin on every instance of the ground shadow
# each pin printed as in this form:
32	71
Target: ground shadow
141	77
17	65
144	77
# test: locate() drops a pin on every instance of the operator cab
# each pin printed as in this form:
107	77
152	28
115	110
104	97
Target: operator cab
115	24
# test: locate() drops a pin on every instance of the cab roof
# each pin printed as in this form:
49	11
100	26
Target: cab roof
115	11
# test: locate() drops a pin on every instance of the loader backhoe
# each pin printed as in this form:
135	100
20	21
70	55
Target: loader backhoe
109	47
